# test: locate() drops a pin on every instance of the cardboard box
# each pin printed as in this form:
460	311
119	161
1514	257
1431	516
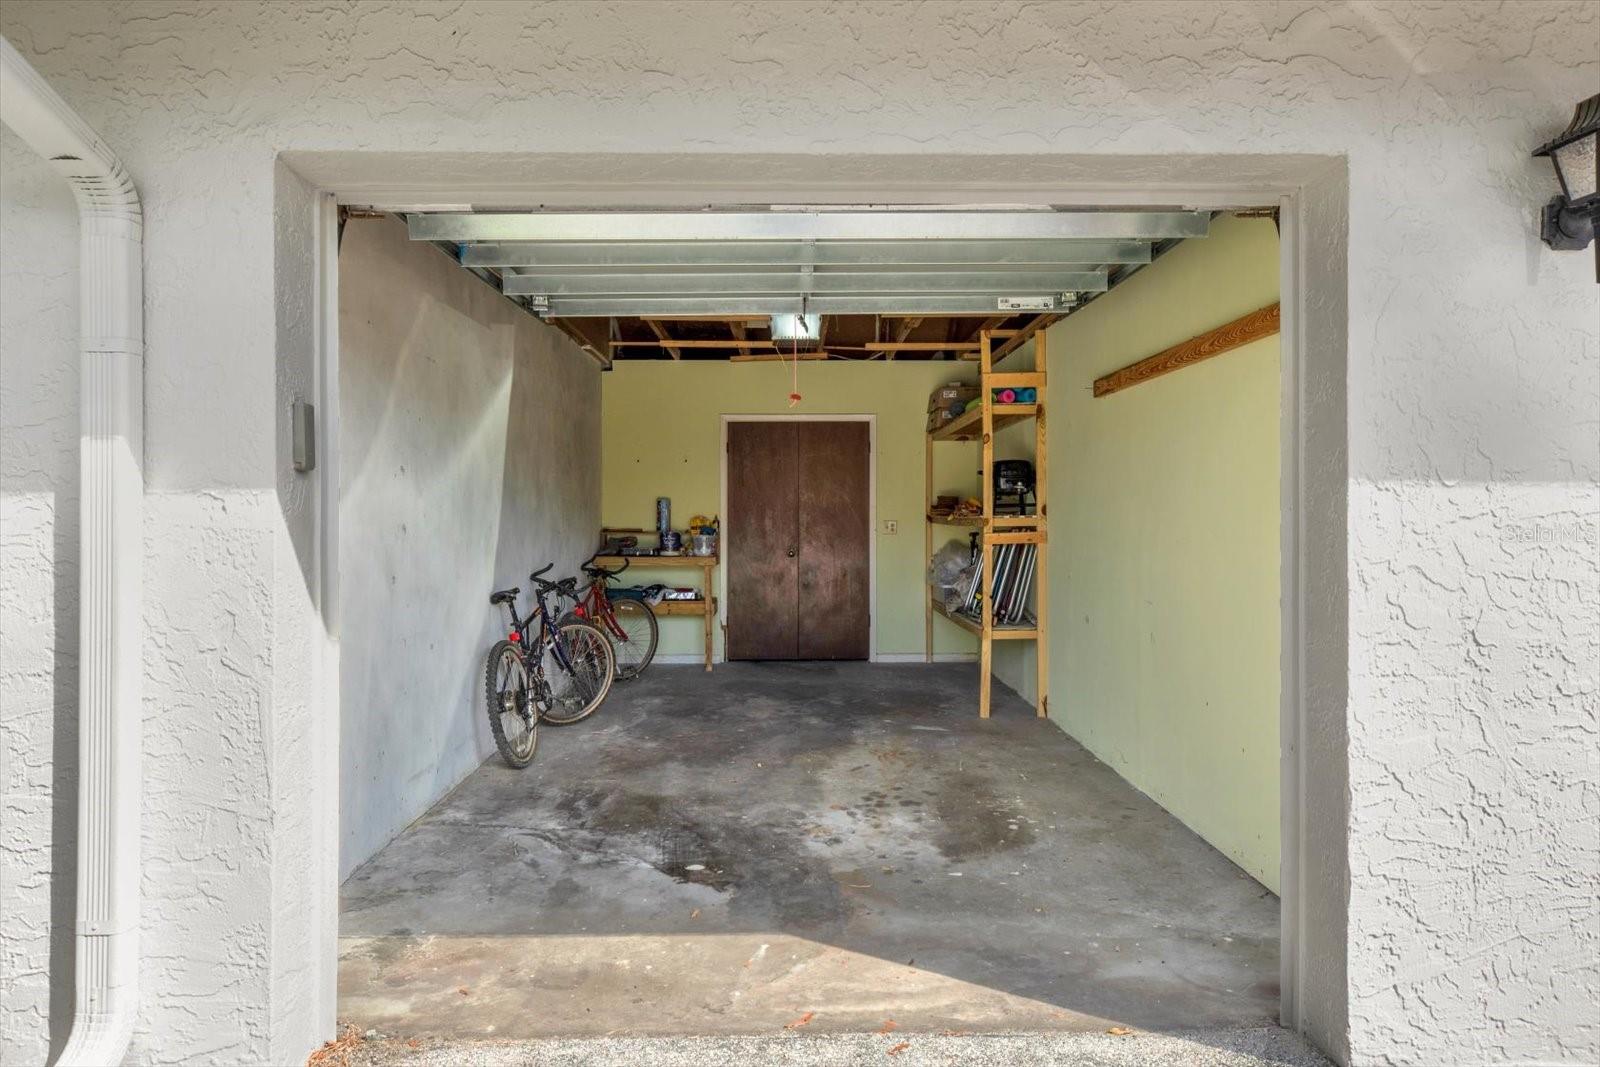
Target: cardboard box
946	396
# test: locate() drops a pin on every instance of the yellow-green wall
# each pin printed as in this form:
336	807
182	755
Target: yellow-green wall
1163	522
661	435
1164	547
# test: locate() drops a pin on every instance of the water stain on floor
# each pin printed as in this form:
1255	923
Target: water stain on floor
718	853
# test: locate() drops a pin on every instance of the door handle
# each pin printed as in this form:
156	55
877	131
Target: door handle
790	553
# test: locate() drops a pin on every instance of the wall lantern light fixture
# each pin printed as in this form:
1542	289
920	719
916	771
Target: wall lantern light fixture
1568	221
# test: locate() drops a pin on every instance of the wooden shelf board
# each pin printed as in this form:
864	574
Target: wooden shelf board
610	562
972	626
956	617
1014	537
997	524
700	606
968	426
1006	414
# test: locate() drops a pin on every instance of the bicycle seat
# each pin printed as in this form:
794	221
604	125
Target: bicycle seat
504	596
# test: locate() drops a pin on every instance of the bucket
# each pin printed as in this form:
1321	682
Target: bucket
703	544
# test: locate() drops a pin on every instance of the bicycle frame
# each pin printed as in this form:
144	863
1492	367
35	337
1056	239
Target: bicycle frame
594	606
532	649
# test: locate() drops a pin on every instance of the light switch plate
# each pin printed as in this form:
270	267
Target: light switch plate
305	436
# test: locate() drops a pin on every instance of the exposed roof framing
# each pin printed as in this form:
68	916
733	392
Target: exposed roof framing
703	284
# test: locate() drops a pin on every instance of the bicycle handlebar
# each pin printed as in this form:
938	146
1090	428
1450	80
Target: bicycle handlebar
540	583
592	568
567	587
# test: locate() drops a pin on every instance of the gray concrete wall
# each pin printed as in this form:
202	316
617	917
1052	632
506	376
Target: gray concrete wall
470	455
1456	786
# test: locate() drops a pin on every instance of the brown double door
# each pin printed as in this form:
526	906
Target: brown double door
798	537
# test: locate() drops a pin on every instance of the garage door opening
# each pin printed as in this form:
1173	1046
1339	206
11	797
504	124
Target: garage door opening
1052	807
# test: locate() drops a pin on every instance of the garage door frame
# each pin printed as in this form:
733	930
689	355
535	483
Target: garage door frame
1312	194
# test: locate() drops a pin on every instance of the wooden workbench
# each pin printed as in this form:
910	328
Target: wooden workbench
706	606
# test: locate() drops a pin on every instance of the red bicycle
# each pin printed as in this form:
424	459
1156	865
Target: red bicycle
628	622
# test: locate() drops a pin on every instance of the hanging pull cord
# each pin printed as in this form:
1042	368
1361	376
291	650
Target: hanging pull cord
794	389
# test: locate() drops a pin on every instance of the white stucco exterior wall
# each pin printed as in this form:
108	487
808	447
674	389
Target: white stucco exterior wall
39	378
1473	399
470	455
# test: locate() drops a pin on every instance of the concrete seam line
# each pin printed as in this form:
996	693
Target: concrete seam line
111	491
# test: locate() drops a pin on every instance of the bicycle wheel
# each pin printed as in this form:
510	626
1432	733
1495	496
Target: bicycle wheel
634	637
579	685
513	717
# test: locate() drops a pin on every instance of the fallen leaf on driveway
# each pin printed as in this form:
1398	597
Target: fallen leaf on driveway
901	1047
336	1053
464	991
798	1023
889	1026
695	914
1120	1031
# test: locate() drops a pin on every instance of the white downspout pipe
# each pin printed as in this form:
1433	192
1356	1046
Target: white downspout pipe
111	490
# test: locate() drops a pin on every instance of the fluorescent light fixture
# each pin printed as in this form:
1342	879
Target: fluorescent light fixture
797	327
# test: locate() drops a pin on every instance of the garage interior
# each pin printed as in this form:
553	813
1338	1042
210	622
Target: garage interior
837	800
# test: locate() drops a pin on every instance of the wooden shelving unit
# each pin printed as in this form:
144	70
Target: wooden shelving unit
979	423
706	606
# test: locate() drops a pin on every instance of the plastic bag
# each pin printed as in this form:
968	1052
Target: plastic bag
951	571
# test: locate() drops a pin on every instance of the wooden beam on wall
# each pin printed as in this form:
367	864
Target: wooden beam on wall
1241	331
900	336
778	357
737	329
918	346
679	342
665	338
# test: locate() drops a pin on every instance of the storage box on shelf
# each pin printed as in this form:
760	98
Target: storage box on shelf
978	421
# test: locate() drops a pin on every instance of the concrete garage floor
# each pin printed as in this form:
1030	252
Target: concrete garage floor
802	847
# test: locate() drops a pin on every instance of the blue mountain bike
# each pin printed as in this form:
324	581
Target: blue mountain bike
555	672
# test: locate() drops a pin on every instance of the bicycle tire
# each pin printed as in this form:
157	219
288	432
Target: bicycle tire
516	751
635	651
575	695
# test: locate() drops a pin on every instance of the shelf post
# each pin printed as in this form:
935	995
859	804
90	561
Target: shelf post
986	638
927	548
706	587
1041	571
